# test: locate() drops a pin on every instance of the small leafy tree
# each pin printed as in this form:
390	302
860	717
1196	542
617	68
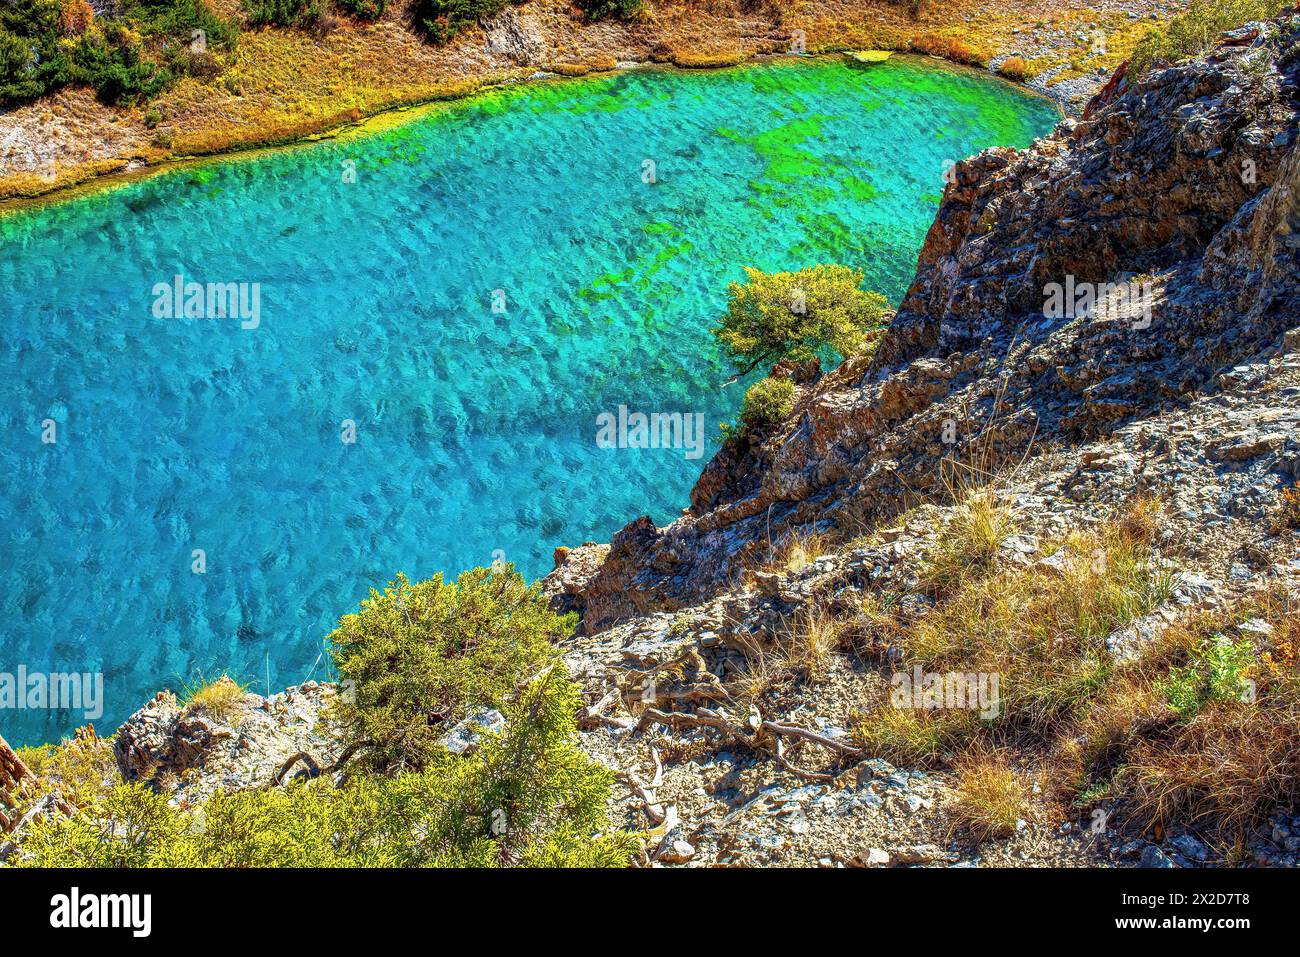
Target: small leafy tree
415	658
798	315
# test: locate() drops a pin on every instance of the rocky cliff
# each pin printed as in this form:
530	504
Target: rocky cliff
1099	356
1172	204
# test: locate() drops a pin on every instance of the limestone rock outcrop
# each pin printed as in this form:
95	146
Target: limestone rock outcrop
1115	270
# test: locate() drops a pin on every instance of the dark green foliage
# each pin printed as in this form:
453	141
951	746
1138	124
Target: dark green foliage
114	66
417	657
31	60
364	9
176	21
442	20
283	13
125	60
768	400
607	9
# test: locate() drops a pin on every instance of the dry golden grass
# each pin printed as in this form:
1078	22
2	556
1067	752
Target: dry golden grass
1044	631
1226	769
708	60
971	541
950	48
219	700
1018	69
1041	631
1096	747
814	639
1226	764
911	736
766	668
794	552
991	796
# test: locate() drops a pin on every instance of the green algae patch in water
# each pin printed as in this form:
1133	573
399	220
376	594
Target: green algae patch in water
463	296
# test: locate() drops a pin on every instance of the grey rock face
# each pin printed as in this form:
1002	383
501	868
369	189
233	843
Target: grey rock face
514	34
1177	202
188	755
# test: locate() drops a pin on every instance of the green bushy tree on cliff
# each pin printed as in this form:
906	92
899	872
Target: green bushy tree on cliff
415	659
528	797
767	400
798	315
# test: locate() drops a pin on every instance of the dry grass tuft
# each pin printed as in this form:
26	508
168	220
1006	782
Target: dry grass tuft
795	552
911	736
1040	630
1227	753
1017	68
1227	769
991	796
971	541
1288	511
219	700
766	668
814	639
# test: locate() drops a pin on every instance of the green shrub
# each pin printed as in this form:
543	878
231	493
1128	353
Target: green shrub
1216	672
80	771
767	401
607	9
798	315
283	13
364	9
176	20
114	66
1196	30
528	797
442	20
128	827
417	657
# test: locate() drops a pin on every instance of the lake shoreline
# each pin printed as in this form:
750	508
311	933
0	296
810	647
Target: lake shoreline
403	114
292	89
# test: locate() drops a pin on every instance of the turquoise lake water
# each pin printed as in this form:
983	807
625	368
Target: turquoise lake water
474	411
